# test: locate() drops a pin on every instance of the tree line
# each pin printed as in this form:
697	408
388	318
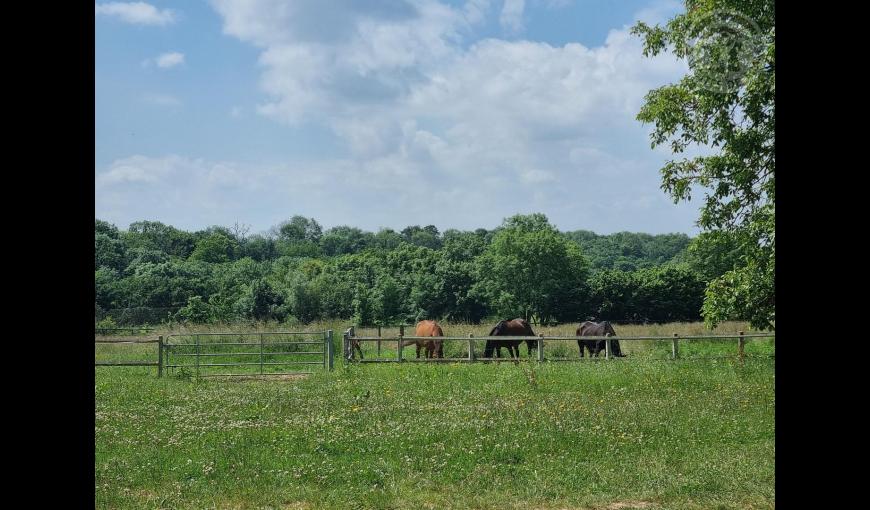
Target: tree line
298	273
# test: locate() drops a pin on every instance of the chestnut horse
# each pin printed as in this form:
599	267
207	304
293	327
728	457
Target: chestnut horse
516	327
434	347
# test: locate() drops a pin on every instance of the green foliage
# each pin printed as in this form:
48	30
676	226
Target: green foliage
530	270
154	235
216	248
662	294
300	229
106	323
524	268
197	311
426	236
344	240
109	252
629	251
727	103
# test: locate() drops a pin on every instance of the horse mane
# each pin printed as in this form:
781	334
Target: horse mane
498	328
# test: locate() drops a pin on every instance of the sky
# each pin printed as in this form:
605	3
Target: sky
383	113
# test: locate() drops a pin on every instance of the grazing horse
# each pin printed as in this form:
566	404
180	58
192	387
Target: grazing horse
516	327
435	346
589	328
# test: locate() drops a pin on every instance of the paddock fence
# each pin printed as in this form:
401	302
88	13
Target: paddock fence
393	348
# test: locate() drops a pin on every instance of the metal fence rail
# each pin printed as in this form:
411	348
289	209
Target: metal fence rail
205	352
158	363
352	344
173	347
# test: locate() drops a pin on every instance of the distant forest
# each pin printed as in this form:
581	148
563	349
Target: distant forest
297	273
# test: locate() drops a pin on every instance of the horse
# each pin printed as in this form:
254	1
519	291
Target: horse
516	327
434	347
589	328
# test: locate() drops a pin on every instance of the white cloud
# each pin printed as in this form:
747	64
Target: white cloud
165	61
171	59
511	18
437	130
419	109
138	13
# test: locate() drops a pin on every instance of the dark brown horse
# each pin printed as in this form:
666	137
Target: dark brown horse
435	346
589	328
516	327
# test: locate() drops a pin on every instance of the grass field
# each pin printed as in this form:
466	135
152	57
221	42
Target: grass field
637	432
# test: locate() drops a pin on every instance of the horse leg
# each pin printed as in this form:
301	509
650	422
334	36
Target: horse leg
580	345
418	350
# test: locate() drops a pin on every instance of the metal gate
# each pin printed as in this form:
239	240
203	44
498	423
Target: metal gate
248	354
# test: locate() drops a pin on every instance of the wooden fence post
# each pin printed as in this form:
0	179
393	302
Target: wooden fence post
675	349
471	347
330	350
740	342
344	343
607	346
541	348
197	355
399	350
379	340
261	353
160	356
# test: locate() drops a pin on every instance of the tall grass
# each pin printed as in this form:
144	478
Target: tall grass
683	434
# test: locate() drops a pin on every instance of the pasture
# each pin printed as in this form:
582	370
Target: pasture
637	432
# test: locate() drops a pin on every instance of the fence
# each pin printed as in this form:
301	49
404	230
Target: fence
134	363
207	354
352	344
198	352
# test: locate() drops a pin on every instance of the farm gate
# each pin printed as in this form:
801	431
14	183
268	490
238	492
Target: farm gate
248	354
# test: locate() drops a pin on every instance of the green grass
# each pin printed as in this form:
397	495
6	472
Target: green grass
684	435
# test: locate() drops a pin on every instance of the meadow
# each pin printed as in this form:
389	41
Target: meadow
637	432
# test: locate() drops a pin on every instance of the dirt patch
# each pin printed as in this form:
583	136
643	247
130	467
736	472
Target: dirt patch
298	505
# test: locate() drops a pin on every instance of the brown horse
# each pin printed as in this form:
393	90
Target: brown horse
589	328
516	327
434	347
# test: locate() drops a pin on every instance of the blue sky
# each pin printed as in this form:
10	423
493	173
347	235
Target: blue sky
384	113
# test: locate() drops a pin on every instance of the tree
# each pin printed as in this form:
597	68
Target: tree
299	229
157	236
109	252
216	248
342	240
427	236
725	103
532	270
387	239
